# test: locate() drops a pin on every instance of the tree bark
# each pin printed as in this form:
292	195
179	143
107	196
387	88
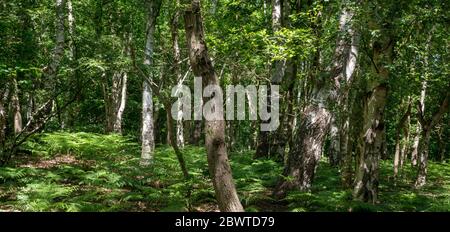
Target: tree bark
400	127
148	138
173	141
120	104
415	148
71	24
58	51
343	72
366	182
196	133
218	163
15	102
177	71
2	124
307	148
404	149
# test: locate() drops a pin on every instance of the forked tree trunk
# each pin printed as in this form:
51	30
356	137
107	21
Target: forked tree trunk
218	163
148	138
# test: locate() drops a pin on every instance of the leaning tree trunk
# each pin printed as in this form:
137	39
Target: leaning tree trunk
366	180
201	64
306	151
173	140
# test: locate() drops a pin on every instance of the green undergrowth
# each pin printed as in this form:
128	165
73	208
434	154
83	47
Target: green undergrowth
92	172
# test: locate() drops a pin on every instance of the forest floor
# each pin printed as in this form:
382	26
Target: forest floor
93	172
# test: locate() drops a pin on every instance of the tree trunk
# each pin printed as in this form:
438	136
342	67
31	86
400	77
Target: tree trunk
2	125
218	163
15	101
334	148
196	133
121	104
177	71
307	148
366	182
400	127
343	72
58	51
71	23
415	148
442	143
263	148
427	127
148	138
173	141
405	144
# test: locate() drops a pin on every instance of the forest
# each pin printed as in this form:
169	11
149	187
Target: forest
224	106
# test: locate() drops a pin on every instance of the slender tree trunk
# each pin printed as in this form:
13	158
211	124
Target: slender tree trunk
71	24
15	101
415	148
148	139
400	127
121	104
405	143
196	133
218	163
177	71
2	125
334	149
173	140
442	143
58	51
